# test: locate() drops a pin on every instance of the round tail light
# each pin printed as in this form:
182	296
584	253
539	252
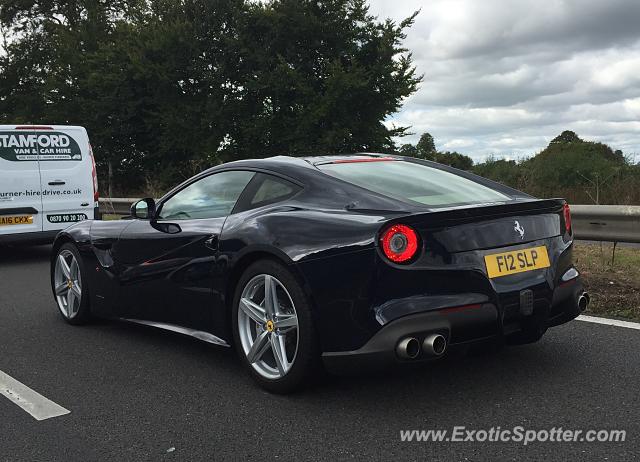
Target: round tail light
399	243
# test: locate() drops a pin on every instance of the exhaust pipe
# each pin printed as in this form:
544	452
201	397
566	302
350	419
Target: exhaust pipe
583	301
434	345
408	348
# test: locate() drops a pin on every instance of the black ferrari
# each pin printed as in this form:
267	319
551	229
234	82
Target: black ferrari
338	262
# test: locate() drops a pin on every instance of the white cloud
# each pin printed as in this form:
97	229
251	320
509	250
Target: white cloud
506	76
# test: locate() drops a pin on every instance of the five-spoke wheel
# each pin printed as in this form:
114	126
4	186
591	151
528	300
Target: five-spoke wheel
268	326
67	283
273	330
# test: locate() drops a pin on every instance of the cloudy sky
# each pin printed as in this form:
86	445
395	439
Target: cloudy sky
504	77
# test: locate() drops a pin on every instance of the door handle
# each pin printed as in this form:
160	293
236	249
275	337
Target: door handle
212	242
56	183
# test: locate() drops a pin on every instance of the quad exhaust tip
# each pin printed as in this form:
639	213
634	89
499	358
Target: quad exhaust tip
583	301
408	348
434	345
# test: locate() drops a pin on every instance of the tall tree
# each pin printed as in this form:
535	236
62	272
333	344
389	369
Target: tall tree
317	76
167	87
57	63
565	137
426	147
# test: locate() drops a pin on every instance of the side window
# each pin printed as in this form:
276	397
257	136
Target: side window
273	189
210	197
270	189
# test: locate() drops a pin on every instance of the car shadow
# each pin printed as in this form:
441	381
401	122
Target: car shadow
197	351
453	376
444	378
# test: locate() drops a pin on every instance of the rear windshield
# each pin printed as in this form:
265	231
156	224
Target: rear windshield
415	182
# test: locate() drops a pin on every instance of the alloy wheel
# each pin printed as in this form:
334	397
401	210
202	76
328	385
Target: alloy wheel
268	326
68	284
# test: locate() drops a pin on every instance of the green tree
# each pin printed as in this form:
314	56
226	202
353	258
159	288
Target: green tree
166	88
317	76
572	167
408	150
566	137
54	64
578	170
507	172
426	147
454	159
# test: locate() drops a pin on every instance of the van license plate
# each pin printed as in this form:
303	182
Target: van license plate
516	261
8	220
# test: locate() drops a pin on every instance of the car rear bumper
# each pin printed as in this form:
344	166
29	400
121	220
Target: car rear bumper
459	325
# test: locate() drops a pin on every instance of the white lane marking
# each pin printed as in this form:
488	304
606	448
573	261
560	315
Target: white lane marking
29	400
609	322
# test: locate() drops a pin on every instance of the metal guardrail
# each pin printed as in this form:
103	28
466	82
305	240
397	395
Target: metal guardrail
611	223
116	206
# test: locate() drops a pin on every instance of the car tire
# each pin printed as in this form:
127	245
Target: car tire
73	304
305	363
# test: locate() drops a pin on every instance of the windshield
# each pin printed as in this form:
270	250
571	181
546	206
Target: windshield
412	181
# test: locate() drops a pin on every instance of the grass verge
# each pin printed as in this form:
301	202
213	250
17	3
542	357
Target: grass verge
613	283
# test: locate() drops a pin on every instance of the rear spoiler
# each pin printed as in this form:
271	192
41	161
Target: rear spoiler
471	213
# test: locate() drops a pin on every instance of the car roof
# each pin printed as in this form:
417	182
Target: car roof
306	171
290	164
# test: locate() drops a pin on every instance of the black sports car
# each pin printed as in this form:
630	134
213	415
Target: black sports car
341	261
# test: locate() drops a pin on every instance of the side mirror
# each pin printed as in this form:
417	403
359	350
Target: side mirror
144	209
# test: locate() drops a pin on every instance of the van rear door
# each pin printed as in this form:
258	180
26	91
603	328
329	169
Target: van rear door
66	176
20	199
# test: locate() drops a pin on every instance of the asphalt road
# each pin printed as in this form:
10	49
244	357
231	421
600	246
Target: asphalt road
136	393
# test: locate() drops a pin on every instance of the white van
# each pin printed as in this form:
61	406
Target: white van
47	181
